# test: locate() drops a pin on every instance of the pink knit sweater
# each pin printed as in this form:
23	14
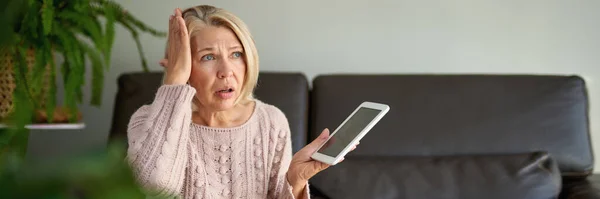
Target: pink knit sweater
176	157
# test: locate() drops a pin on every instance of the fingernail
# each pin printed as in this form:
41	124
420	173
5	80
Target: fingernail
324	135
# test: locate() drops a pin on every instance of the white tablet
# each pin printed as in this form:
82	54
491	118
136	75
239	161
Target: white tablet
341	141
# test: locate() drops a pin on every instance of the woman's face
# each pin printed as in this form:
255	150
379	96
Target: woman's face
218	67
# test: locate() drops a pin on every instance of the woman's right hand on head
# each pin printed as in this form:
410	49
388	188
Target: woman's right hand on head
179	56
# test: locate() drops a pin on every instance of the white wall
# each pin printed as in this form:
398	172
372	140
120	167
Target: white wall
386	36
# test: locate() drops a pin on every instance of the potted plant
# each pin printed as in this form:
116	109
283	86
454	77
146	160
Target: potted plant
39	31
35	34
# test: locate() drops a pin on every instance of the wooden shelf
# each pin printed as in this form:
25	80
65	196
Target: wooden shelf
53	126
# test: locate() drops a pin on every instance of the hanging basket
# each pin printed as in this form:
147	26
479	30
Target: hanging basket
8	84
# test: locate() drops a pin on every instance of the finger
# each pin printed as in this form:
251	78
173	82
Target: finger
314	145
319	167
163	62
319	140
178	12
182	27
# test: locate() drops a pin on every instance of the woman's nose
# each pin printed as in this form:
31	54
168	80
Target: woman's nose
226	69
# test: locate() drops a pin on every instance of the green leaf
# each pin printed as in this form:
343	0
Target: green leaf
86	24
20	71
47	15
143	26
136	38
97	75
109	35
37	74
121	13
80	72
29	24
51	94
17	135
10	14
129	22
70	67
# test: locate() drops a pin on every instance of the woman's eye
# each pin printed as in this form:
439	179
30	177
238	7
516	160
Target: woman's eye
237	54
208	57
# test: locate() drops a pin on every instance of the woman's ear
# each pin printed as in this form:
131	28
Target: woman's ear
164	62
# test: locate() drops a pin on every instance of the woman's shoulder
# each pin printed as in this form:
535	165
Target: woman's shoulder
274	116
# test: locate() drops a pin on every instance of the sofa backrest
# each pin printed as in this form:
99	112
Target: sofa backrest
437	115
288	91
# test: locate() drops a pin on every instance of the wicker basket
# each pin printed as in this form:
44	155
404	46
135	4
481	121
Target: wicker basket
8	84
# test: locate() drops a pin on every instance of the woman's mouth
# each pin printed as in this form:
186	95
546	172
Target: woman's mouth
225	93
229	90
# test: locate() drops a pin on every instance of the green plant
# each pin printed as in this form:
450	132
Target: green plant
56	26
78	31
69	28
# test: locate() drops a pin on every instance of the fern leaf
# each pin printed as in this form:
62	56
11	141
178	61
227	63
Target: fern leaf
29	23
143	26
21	97
70	85
21	69
109	35
47	15
51	94
80	72
86	24
122	13
136	38
17	137
37	72
69	67
97	75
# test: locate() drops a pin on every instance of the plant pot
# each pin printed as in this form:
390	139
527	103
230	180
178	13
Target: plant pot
8	84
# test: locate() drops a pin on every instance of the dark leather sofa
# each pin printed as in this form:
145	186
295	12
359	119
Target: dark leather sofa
445	137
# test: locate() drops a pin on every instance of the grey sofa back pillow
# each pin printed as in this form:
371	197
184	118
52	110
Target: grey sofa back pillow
514	176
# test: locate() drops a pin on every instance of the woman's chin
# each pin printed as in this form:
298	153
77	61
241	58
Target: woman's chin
223	104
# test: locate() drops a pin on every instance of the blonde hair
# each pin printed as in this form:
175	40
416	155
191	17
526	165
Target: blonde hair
199	17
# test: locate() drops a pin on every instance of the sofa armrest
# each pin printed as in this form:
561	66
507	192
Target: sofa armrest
587	188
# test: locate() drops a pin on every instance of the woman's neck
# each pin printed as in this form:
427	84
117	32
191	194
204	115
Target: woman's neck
233	117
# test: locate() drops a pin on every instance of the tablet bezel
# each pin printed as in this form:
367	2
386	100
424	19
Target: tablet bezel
334	160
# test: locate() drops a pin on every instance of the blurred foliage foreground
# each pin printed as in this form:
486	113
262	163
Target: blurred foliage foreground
103	174
93	175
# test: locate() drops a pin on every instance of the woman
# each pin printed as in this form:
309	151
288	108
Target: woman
204	135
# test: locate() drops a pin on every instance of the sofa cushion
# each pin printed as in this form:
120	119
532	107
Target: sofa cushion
287	91
514	176
437	115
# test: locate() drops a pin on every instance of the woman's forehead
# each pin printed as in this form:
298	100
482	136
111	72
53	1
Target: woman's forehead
211	37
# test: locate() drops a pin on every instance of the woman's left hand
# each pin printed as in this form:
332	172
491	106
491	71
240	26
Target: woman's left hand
303	167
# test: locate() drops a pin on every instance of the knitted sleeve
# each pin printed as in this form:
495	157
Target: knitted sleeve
158	138
279	187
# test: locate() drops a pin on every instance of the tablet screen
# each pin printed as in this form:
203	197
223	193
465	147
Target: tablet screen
349	131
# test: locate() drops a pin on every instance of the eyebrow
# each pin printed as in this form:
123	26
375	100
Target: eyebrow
211	48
